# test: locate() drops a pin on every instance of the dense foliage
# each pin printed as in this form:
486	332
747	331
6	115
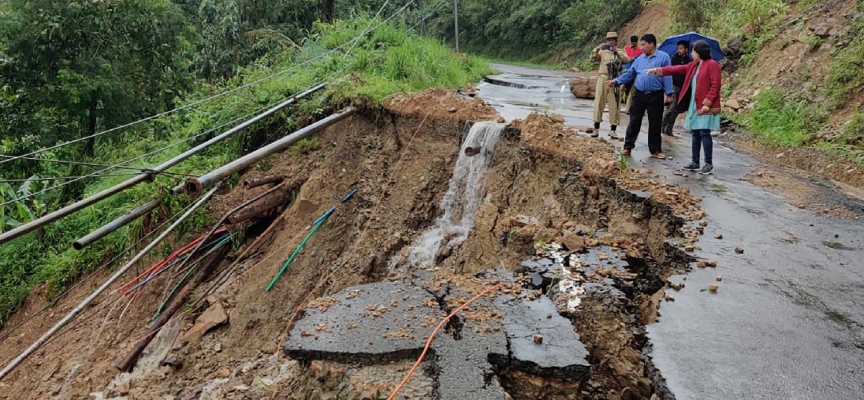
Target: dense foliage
531	29
139	58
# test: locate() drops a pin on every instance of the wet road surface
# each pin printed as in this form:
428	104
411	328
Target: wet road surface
788	320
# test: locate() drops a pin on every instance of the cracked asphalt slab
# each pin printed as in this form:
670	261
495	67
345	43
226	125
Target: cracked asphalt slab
356	326
788	319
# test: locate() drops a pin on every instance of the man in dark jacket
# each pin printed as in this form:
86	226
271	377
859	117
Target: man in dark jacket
681	57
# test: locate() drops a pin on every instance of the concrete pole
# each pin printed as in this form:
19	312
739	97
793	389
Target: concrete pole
456	22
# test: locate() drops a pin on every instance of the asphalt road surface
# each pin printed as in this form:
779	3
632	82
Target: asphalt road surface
788	320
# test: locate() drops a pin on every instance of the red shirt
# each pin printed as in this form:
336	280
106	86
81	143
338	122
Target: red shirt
633	52
708	83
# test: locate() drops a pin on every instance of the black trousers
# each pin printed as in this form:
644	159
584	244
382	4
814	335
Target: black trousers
651	103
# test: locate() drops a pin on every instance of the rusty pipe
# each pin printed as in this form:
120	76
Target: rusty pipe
114	225
196	185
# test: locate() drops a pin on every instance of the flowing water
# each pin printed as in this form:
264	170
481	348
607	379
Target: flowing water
466	190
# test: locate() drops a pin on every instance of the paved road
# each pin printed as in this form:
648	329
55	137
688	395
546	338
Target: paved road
788	322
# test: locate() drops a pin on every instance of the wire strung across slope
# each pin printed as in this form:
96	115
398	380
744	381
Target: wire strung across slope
197	102
86	164
60	178
110	262
429	14
157	151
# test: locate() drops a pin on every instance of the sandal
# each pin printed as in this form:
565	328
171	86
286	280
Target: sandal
659	155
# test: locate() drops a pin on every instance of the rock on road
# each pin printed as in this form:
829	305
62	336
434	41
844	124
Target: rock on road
788	319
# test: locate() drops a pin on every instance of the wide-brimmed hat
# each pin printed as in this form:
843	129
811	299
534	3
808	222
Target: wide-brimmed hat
611	35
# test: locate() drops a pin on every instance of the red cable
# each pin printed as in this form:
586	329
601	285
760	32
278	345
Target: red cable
171	257
432	336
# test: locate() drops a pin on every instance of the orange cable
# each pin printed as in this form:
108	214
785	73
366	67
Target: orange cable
359	238
432	336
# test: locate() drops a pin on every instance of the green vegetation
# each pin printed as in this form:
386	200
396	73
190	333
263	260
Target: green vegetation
849	142
779	121
846	73
535	31
725	19
165	58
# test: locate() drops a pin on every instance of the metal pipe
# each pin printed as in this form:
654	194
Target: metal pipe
114	225
145	176
80	307
196	185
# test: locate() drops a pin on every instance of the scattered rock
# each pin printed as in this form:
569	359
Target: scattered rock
500	120
718	237
572	241
711	263
223	373
739	250
213	317
173	362
538	339
733	104
669	298
556	118
689	248
719	279
713	287
520	221
452	110
676	286
123	388
583	87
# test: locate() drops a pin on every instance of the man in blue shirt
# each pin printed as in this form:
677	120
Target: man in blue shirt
648	96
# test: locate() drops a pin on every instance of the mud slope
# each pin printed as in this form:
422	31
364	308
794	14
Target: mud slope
545	185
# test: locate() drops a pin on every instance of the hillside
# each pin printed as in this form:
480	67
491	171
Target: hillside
793	87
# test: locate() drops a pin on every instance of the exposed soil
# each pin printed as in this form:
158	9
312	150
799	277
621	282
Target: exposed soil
400	158
807	160
805	194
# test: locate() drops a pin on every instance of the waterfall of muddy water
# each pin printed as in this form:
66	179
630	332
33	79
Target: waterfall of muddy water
466	190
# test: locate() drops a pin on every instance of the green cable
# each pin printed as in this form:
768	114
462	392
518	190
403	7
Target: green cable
188	273
300	247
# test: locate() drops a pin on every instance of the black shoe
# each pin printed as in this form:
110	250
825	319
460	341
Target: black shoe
691	167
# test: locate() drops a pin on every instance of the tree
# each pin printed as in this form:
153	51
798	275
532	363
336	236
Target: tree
82	65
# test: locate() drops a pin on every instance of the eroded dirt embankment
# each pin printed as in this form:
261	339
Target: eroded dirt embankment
547	185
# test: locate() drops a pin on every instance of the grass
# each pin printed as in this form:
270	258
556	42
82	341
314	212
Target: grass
783	120
385	62
846	72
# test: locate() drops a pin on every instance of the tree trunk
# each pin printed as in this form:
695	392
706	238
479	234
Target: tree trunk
91	126
329	8
422	16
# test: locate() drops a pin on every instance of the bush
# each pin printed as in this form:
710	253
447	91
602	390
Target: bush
384	62
783	122
846	71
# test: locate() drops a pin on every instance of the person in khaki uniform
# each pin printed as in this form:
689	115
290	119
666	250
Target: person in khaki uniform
607	53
